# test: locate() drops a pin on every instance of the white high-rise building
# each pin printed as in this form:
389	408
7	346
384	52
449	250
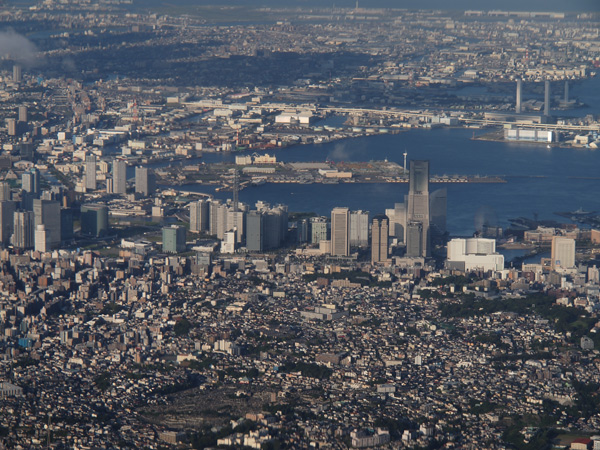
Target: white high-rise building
563	253
41	239
474	254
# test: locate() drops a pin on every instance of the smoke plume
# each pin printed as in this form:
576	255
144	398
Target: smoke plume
18	48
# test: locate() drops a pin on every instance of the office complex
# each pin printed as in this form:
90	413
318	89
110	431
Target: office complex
379	239
340	236
145	183
94	220
173	239
474	254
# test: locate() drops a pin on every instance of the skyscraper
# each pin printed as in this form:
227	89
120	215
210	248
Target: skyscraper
7	213
47	213
23	113
30	181
397	220
30	184
23	230
255	232
563	252
41	239
418	209
319	230
340	227
379	239
90	172
5	194
94	220
359	228
438	211
17	73
144	181
519	96
173	239
414	240
547	98
11	126
199	216
119	176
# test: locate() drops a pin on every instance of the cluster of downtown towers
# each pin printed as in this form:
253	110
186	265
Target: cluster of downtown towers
43	220
411	224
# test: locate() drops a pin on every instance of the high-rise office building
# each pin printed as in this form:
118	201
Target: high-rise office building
26	150
379	239
17	73
41	239
7	213
547	98
94	220
119	177
5	193
302	230
23	234
397	220
47	213
418	209
30	181
255	232
174	238
199	216
90	172
438	201
414	240
272	221
22	113
340	236
66	224
145	183
319	230
11	126
30	184
563	253
217	218
519	96
359	228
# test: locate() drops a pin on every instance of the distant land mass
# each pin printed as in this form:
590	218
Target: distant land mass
513	5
